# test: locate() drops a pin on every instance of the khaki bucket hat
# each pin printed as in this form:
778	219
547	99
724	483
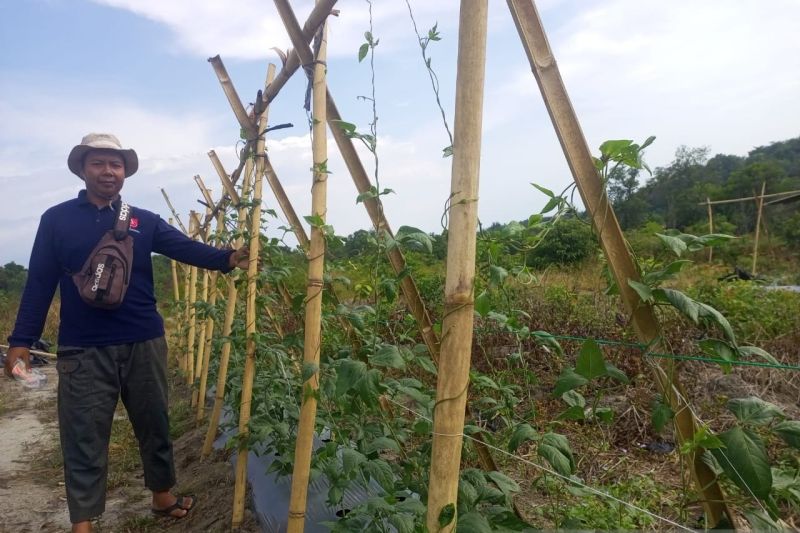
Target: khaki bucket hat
101	141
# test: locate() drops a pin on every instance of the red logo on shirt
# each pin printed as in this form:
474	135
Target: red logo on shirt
134	222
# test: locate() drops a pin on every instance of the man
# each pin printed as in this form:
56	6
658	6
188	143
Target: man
104	354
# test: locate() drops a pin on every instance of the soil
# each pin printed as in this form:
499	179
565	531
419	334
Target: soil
32	482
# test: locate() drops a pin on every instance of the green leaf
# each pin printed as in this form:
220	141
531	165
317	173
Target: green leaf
744	459
673	243
382	443
613	149
718	348
555	449
483	304
363	50
615	373
761	521
679	301
590	362
388	356
644	292
710	314
661	415
426	363
380	471
472	522
348	373
402	523
789	431
552	204
351	459
574	412
574	399
754	411
414	239
748	351
522	433
658	276
545	191
447	151
497	274
567	381
447	514
604	414
506	485
309	370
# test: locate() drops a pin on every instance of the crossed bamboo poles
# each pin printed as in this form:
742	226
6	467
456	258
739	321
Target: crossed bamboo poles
454	352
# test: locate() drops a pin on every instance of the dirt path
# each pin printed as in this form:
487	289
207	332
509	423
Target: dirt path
32	482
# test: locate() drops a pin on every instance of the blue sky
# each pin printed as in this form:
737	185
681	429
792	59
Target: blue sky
701	73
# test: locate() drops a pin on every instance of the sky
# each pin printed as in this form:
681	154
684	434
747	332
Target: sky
713	73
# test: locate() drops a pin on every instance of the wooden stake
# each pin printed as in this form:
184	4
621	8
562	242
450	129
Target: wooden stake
227	184
710	227
455	358
316	265
286	205
760	203
250	321
622	265
187	281
233	98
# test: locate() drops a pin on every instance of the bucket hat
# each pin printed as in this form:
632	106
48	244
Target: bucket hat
101	141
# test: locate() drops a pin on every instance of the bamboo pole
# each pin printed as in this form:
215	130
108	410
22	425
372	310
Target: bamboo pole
760	203
710	227
315	19
206	195
233	97
174	266
209	337
201	333
190	343
187	283
174	213
227	324
754	197
592	192
285	204
227	184
456	348
316	265
250	321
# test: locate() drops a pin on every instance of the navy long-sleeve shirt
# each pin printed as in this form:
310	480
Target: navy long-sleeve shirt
67	234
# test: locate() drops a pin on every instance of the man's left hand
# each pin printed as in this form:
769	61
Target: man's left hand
240	258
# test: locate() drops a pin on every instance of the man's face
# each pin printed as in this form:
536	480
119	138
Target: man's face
104	173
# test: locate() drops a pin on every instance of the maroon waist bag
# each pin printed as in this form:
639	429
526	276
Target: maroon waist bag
104	277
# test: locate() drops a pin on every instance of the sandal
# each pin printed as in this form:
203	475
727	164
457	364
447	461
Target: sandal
167	511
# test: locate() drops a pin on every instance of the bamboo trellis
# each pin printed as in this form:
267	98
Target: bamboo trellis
759	200
454	360
250	320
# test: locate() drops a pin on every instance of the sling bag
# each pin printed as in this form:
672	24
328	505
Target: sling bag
104	277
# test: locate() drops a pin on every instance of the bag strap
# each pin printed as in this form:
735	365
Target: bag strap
122	222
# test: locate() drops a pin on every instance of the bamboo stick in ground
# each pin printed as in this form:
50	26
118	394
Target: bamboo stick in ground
622	265
760	204
455	358
227	324
201	334
174	266
710	227
174	213
210	324
187	281
316	265
250	357
194	228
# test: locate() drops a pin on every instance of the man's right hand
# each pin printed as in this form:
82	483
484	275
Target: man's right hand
18	352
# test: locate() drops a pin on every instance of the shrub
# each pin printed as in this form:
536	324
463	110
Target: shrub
570	241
